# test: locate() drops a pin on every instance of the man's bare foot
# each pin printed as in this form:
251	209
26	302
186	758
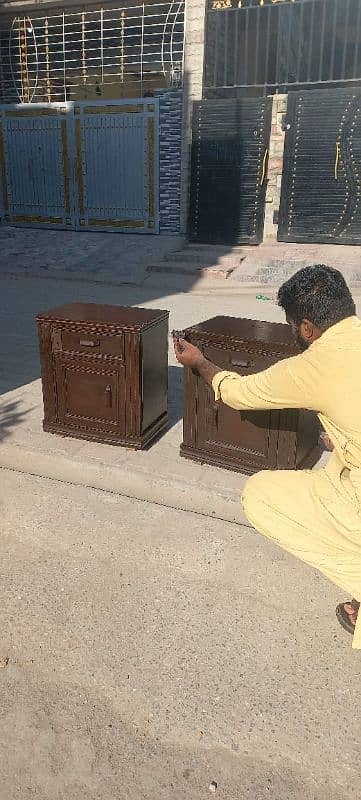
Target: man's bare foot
346	614
351	612
326	442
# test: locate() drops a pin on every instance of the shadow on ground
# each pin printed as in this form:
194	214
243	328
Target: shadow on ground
75	267
175	395
10	416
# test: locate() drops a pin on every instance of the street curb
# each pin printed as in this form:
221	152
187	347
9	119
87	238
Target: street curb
128	483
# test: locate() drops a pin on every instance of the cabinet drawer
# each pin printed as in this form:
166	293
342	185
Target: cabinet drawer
241	361
88	343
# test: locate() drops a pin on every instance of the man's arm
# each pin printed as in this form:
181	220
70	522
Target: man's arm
290	383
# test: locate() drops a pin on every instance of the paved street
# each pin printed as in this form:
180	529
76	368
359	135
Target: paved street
147	653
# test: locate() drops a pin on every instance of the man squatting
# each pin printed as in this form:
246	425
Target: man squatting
316	515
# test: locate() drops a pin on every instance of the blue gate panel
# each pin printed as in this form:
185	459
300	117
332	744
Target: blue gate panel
116	166
36	167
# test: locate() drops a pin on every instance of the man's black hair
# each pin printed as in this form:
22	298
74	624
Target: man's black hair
319	294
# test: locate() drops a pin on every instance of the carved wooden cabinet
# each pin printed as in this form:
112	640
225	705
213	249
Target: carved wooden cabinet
244	441
104	372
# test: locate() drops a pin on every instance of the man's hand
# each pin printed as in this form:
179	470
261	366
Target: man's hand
187	354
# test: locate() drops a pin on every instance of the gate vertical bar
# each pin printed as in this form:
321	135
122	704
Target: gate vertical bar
268	42
216	48
309	65
236	50
64	61
225	63
323	24
278	80
289	31
300	45
357	42
83	57
122	26
246	46
47	64
332	60
142	53
345	43
102	44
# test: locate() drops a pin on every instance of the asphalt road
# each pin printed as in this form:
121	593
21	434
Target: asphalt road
150	654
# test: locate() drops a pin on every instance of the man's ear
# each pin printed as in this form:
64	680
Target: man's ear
309	331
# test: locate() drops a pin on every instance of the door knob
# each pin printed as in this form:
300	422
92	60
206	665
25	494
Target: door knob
108	396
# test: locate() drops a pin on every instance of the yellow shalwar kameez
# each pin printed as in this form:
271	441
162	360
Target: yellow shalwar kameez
316	515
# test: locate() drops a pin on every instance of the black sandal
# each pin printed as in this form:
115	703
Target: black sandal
344	618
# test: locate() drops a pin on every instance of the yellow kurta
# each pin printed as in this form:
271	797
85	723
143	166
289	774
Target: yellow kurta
316	515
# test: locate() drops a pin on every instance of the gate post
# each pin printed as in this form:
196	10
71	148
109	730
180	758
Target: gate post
275	165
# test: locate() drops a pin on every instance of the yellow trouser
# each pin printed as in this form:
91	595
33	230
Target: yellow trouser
314	515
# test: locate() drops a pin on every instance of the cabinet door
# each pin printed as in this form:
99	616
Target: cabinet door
239	439
91	396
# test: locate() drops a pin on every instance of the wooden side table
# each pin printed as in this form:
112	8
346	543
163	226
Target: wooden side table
247	441
104	372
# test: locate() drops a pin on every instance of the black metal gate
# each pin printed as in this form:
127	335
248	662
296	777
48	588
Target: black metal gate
321	184
267	46
229	168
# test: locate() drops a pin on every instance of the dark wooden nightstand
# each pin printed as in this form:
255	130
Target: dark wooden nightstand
104	372
244	441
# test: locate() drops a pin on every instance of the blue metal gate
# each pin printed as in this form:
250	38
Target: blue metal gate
86	166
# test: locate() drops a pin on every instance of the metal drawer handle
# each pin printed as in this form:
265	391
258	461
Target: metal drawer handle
244	364
88	343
